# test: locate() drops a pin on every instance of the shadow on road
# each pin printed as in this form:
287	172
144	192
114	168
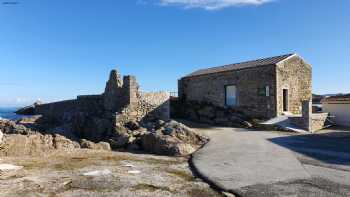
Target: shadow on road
330	147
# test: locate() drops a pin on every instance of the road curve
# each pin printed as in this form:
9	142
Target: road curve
237	158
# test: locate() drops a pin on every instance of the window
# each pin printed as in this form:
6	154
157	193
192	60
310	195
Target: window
264	91
267	90
231	95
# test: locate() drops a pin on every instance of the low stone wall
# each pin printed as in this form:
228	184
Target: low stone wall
318	121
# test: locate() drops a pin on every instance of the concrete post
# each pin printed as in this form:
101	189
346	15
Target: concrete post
307	114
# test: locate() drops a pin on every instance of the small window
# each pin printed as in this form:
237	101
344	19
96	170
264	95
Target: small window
264	91
231	95
267	90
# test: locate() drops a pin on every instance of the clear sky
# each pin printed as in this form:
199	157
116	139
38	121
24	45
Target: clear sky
57	49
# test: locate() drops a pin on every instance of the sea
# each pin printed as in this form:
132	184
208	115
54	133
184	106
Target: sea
9	113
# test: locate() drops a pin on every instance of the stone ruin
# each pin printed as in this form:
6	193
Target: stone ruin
92	116
122	117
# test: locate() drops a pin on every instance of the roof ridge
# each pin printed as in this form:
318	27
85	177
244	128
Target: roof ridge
265	58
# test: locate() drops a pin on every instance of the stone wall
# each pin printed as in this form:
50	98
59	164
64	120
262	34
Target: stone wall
309	121
121	97
211	89
154	105
57	111
295	75
318	121
90	104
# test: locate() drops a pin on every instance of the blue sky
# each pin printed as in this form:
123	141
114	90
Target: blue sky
57	49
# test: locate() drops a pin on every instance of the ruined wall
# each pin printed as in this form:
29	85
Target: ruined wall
154	105
295	75
57	111
211	89
121	101
91	104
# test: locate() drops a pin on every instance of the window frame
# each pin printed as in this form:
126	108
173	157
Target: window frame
225	90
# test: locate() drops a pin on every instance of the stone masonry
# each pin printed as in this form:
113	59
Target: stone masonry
121	101
259	86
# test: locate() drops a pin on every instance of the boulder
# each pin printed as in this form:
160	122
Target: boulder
104	146
96	146
10	127
62	143
175	139
132	125
165	145
119	141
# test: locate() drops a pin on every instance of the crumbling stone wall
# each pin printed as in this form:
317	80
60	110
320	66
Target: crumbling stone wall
58	111
211	89
121	100
154	105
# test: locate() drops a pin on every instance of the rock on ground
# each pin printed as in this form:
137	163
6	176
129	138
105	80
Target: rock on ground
172	138
11	127
96	146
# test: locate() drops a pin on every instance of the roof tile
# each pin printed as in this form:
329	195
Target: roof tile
242	65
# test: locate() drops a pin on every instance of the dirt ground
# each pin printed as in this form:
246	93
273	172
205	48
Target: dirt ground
108	174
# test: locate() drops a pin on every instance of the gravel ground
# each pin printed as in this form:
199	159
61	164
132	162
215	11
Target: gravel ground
111	174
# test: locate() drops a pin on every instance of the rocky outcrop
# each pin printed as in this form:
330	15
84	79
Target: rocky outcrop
173	139
209	113
34	144
11	127
96	146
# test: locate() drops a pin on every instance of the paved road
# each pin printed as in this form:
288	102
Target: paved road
259	163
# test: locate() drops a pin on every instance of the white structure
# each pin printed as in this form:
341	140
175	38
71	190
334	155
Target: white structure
339	109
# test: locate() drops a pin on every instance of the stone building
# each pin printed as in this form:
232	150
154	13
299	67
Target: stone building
262	88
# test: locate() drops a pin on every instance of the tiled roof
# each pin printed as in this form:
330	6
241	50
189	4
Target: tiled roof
345	97
242	65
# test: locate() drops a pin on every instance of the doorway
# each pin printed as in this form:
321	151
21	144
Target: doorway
285	100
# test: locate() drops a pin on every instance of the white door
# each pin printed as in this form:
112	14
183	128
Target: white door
231	95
